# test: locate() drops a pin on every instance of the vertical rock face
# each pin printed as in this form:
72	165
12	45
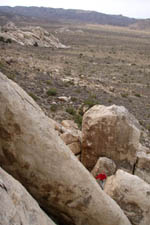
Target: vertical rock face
132	194
16	204
109	132
31	151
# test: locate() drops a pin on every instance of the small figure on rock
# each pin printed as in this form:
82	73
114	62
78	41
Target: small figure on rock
101	178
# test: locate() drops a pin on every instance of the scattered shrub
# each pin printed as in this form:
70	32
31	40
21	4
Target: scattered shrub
109	100
52	92
80	55
35	44
73	99
78	120
148	127
124	95
90	102
54	108
71	110
48	82
76	116
33	96
2	39
8	41
137	95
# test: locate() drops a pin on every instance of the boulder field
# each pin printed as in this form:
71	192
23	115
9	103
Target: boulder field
33	153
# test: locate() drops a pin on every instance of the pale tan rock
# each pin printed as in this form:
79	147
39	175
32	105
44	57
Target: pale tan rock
57	126
69	124
75	147
112	89
111	132
70	137
142	168
104	165
64	98
10	26
30	36
16	204
78	157
132	194
31	151
85	108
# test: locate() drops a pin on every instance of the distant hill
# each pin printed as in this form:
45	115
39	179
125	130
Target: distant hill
70	15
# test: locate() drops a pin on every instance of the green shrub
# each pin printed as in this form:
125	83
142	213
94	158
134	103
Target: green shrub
71	110
90	102
78	120
124	95
76	116
48	82
11	76
2	39
33	96
8	41
52	92
137	95
35	44
54	108
74	99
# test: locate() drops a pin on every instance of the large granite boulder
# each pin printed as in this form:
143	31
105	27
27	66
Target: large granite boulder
17	206
132	194
110	132
32	151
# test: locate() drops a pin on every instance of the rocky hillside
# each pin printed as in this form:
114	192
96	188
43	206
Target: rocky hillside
71	15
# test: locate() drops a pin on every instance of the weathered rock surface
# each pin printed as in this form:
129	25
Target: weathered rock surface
104	165
75	147
69	124
142	168
110	132
31	151
10	26
71	136
132	194
17	206
30	36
